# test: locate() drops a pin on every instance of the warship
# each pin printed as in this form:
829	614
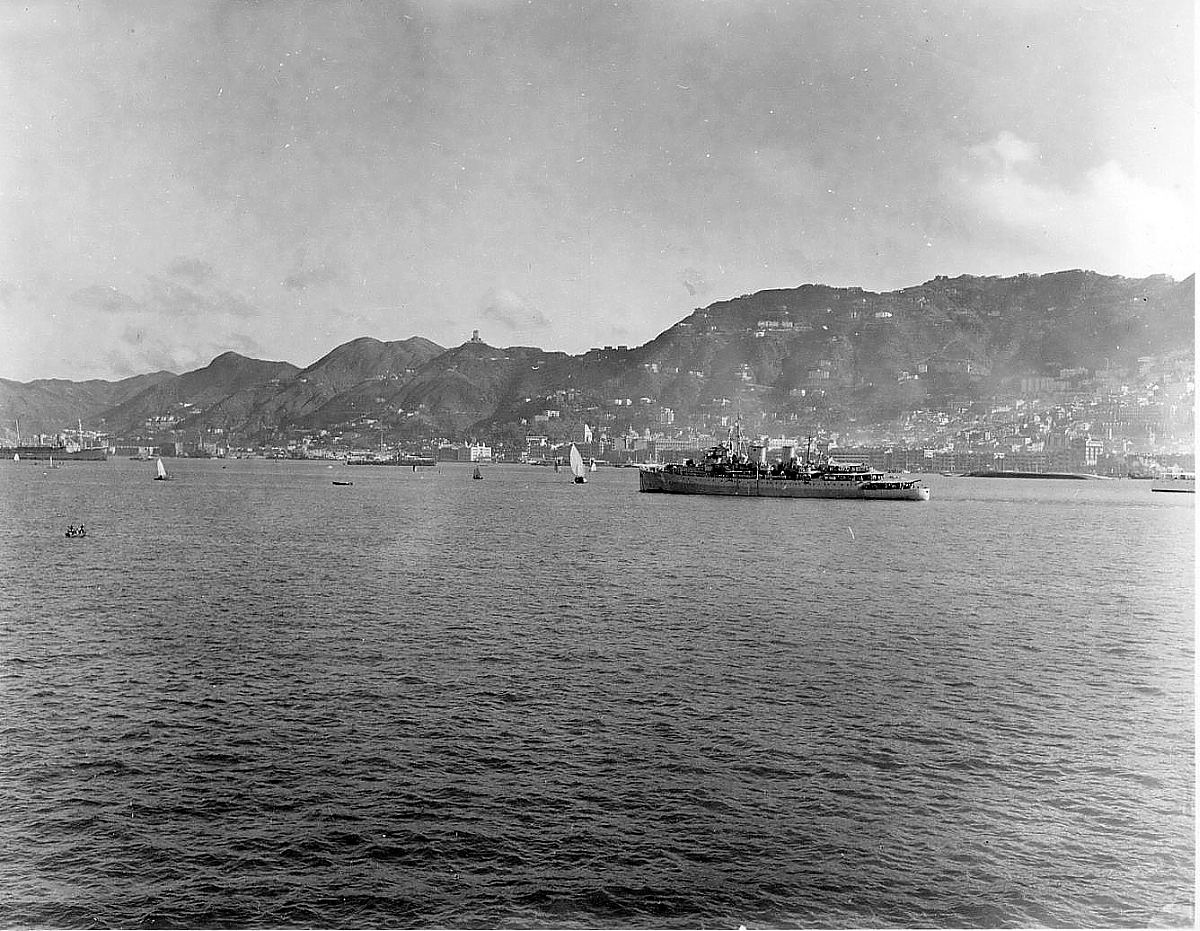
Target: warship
734	468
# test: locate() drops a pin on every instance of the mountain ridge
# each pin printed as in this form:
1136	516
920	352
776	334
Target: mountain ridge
866	354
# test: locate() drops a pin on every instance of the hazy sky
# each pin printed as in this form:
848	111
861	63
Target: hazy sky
182	178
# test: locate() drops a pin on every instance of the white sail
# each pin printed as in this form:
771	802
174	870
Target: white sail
592	466
162	469
16	457
576	462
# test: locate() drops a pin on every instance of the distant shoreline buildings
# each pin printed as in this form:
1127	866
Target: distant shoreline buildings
1062	372
1103	421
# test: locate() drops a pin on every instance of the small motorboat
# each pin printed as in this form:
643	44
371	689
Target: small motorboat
343	483
73	532
478	474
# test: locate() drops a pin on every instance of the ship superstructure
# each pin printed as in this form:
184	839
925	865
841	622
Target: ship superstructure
734	468
62	451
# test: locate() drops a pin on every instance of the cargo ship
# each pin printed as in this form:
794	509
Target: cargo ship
60	452
726	470
57	453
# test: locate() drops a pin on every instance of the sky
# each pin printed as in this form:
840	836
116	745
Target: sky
178	179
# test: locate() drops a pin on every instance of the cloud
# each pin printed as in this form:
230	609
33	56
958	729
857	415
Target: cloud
1006	150
107	299
192	270
168	297
695	282
141	346
1107	219
788	174
179	300
306	278
166	323
103	332
512	311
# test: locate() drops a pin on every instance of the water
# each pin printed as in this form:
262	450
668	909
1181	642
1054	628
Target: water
252	698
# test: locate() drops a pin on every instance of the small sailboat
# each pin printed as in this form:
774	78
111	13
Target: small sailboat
592	466
16	457
577	466
162	471
53	464
477	475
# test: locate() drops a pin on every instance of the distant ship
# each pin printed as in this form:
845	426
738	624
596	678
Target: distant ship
62	452
1176	481
59	453
425	461
725	470
1014	473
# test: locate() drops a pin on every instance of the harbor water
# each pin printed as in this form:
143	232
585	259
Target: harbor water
249	697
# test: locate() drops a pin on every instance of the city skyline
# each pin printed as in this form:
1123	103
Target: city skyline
277	179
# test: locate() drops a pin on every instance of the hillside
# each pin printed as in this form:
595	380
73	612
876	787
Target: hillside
466	385
363	366
959	337
864	355
171	399
53	404
365	358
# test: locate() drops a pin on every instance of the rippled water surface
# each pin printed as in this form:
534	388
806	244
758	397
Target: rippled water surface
250	697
